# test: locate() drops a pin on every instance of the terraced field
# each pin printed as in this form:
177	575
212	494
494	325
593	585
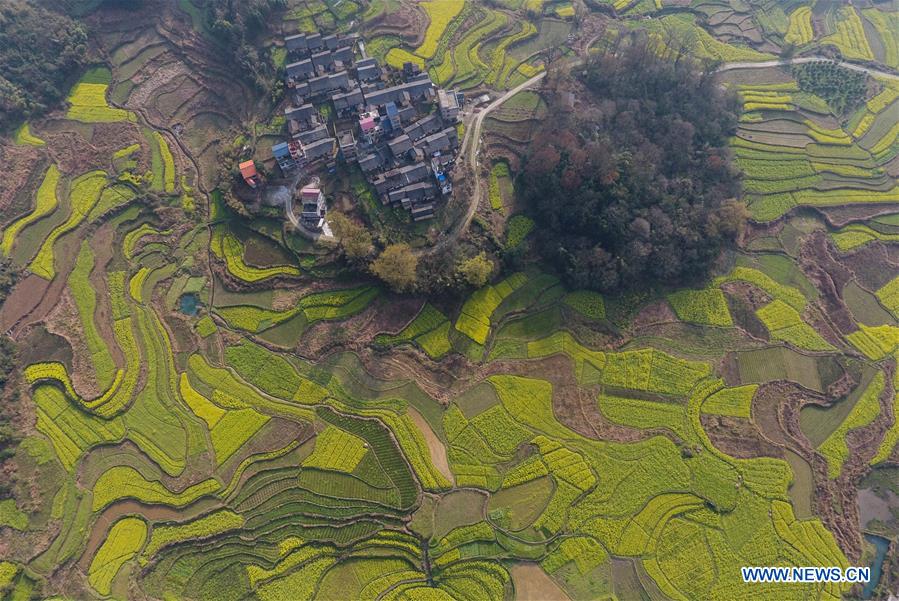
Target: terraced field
211	410
469	46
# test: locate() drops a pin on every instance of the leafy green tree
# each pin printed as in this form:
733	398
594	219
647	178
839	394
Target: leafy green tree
355	240
41	54
476	270
396	266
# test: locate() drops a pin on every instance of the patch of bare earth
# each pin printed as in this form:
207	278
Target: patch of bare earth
19	162
387	314
65	322
408	23
532	584
435	445
75	154
738	437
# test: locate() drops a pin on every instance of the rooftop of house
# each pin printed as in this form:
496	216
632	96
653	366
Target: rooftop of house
310	193
248	169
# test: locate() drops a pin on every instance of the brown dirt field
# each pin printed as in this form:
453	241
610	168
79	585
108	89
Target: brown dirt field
459	508
743	300
829	277
64	321
532	584
738	437
24	299
102	243
75	154
386	314
19	163
159	513
756	76
838	217
407	22
441	381
653	314
574	406
435	446
873	265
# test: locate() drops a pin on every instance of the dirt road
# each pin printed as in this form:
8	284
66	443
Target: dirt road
469	152
803	60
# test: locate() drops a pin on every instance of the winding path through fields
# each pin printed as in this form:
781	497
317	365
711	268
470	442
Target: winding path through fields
803	60
473	131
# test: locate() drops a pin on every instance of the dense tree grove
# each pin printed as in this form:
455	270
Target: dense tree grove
236	23
41	53
634	186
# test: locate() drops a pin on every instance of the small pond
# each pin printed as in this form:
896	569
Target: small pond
189	304
881	544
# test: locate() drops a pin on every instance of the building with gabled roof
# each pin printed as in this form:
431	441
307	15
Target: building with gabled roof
249	173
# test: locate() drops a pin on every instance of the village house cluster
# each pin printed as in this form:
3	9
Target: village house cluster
397	126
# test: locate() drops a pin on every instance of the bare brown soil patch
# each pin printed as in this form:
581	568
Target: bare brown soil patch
25	297
435	445
532	584
20	162
76	154
408	23
65	322
653	314
828	276
387	314
873	265
738	437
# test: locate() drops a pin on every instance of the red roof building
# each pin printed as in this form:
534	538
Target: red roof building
249	173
